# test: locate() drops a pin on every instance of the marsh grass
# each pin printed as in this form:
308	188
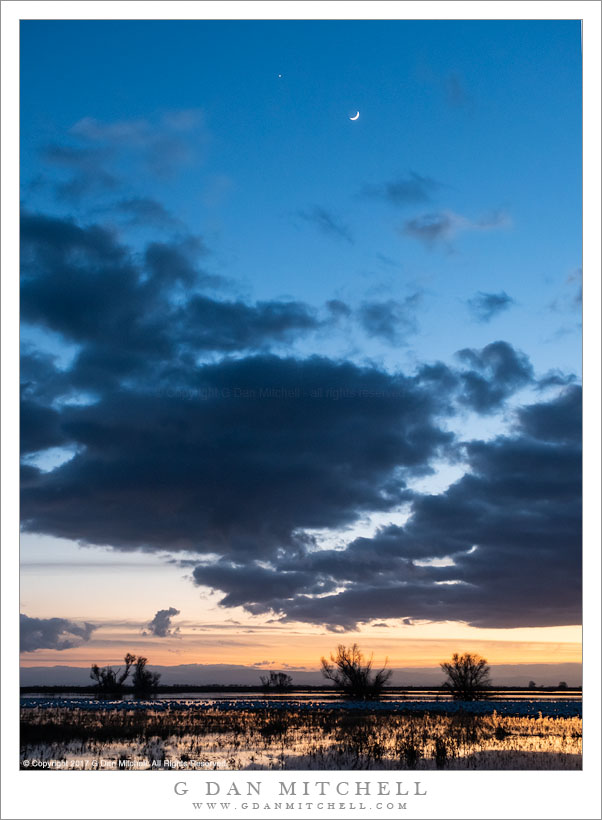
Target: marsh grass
301	739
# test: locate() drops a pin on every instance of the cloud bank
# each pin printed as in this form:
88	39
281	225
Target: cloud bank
192	420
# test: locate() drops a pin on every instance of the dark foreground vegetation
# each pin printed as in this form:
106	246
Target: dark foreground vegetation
352	675
110	682
296	739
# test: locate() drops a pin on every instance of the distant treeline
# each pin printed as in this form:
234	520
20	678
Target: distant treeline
181	689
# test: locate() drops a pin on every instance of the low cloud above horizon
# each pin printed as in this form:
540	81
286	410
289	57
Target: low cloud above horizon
52	633
161	625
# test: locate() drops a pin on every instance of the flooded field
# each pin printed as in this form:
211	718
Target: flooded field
126	735
324	696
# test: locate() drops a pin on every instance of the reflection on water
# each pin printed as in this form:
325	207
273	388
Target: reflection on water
237	735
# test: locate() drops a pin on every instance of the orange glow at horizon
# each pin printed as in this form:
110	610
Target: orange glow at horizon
252	645
106	592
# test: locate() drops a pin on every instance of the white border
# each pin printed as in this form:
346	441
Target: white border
303	10
562	795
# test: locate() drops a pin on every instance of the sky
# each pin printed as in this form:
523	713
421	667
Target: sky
291	379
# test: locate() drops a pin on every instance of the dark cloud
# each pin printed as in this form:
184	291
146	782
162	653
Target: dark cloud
326	222
40	427
240	459
176	262
237	458
485	381
484	306
41	379
512	526
161	626
135	315
52	633
391	321
496	372
559	420
405	190
229	326
254	586
338	308
81	283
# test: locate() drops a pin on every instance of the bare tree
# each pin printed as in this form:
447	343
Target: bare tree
110	681
144	682
352	673
467	677
276	681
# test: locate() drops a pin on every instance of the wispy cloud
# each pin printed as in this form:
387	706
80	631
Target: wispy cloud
456	92
164	142
87	169
443	226
484	306
326	222
404	190
571	297
145	211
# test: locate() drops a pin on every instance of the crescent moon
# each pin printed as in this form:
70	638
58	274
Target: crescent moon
357	116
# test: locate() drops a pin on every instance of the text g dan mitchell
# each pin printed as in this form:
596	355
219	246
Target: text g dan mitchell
305	788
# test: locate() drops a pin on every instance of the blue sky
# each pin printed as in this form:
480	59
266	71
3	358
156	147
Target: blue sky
200	212
490	111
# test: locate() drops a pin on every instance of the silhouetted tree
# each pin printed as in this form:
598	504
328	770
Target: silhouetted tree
144	682
110	681
563	685
352	674
467	676
276	681
532	684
